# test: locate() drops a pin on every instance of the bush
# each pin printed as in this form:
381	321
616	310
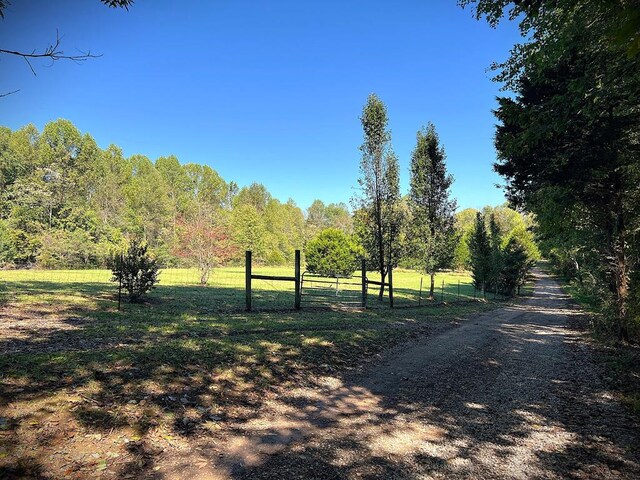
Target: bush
333	253
137	271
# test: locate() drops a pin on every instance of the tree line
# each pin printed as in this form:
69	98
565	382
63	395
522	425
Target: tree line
568	140
422	230
67	203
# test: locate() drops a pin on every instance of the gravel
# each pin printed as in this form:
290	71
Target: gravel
510	394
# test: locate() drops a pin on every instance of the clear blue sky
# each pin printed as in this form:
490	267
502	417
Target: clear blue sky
265	91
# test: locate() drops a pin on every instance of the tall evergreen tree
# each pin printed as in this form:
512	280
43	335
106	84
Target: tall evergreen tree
496	260
432	231
378	206
480	249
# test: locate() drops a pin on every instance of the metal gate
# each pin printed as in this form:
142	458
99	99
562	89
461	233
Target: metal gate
319	290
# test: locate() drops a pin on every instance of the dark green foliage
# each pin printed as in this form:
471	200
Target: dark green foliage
135	270
496	266
496	257
567	141
333	253
620	29
480	249
516	264
432	232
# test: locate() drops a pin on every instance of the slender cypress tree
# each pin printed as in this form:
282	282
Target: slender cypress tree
496	256
378	213
480	249
433	235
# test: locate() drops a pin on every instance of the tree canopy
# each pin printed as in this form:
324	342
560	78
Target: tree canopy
379	216
568	142
65	202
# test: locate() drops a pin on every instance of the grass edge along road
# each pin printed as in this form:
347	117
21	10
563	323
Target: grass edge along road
621	361
78	376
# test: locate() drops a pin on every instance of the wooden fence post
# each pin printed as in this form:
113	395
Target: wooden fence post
390	286
458	289
442	293
297	275
420	294
247	278
363	270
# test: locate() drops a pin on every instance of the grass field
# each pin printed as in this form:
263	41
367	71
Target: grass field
225	289
78	374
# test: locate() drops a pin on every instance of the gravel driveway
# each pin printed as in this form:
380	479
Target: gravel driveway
510	394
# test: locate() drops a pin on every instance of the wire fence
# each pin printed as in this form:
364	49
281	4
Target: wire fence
180	289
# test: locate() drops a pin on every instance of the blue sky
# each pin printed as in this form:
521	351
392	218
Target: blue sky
265	91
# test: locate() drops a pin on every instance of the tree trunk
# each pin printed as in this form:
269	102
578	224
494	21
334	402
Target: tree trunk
383	275
620	262
622	294
433	285
621	274
204	275
380	241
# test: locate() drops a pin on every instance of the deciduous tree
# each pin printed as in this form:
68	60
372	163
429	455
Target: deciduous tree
204	245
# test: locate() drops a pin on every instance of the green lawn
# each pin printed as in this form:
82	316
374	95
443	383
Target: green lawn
181	321
63	341
225	289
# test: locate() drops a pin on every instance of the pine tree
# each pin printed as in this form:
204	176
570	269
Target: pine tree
433	235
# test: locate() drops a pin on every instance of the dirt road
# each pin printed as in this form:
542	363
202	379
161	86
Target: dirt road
510	394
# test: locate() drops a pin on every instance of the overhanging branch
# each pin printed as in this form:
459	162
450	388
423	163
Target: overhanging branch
52	52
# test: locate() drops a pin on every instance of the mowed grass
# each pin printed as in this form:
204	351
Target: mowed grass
160	368
225	288
63	322
65	310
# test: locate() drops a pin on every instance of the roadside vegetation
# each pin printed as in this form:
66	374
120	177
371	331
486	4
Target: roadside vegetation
567	142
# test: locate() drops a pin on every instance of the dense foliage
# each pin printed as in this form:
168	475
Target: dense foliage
66	203
499	263
135	270
480	254
510	223
333	253
432	221
568	140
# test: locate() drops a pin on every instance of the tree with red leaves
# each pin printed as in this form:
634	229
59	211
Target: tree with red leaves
204	244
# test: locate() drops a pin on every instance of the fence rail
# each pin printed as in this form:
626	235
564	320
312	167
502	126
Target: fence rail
272	288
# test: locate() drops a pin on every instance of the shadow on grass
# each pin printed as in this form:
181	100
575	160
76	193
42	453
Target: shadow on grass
532	406
176	362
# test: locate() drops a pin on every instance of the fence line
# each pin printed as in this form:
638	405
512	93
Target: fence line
180	290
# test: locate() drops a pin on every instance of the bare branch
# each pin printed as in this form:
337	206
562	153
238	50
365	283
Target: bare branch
52	52
8	93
